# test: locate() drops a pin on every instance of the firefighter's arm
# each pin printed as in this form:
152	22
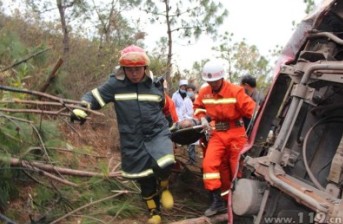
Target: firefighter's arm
200	112
95	99
169	108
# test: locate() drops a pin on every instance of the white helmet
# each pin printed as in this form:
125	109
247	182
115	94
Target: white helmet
183	82
213	70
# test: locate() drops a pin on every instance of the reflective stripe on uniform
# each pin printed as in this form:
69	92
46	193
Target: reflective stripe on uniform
125	96
225	193
145	173
98	97
166	160
211	176
139	97
219	101
149	97
199	110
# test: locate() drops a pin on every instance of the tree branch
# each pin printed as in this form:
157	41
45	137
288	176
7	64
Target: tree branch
34	111
56	169
25	59
51	176
204	220
37	93
87	205
48	103
51	76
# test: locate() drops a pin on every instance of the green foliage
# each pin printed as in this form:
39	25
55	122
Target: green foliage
310	4
16	140
49	131
8	190
158	66
123	209
43	197
10	46
12	51
40	60
14	136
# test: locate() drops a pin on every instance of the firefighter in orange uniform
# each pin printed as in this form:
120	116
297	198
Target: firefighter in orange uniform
224	104
169	109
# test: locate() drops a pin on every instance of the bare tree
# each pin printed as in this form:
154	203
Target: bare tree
187	19
77	10
112	27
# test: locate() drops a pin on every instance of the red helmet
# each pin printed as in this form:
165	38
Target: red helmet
133	56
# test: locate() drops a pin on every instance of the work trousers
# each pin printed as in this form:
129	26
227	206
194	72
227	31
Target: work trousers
221	159
150	185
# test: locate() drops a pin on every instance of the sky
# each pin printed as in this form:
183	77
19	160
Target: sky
264	23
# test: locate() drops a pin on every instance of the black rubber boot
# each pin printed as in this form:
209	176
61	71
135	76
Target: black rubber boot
218	204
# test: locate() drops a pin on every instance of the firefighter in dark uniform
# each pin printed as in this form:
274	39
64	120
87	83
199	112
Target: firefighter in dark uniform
145	144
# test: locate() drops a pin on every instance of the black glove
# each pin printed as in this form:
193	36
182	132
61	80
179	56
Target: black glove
78	115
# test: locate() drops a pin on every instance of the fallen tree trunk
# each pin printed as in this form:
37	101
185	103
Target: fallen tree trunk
47	103
49	175
33	111
204	220
51	76
63	102
56	169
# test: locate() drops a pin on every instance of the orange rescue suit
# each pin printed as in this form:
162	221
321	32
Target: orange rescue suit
222	155
169	109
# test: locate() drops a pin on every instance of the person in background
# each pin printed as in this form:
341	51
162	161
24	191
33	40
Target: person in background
145	144
248	82
224	104
183	104
191	93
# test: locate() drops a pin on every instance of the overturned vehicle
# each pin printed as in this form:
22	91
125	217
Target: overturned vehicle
293	162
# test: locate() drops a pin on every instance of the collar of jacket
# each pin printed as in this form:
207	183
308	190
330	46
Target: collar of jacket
222	91
120	75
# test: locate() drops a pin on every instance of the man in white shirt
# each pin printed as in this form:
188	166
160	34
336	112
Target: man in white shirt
184	110
183	104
